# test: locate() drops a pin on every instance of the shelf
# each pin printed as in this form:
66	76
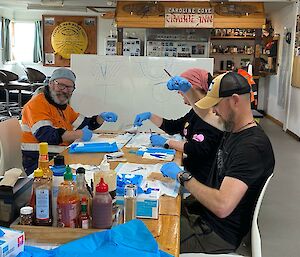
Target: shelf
212	54
232	37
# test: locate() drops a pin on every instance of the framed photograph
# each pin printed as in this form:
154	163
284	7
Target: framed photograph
49	21
89	21
49	58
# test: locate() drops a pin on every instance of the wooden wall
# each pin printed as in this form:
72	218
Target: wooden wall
49	26
125	20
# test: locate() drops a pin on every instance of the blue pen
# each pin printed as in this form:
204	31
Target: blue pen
157	155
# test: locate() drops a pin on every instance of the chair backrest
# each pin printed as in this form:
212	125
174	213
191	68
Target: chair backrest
11	76
34	75
255	235
10	145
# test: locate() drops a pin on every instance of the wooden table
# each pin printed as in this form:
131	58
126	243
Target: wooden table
166	229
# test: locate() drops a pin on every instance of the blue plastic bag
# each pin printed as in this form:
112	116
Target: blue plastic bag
130	239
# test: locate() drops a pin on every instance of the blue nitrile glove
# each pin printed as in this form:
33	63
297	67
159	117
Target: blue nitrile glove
138	121
157	140
170	169
179	83
109	116
86	134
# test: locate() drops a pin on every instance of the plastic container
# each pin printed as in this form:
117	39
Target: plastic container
110	178
102	207
26	215
130	194
58	169
44	160
68	204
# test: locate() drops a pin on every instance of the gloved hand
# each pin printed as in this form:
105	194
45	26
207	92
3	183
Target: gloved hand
138	121
157	140
109	116
86	134
170	169
179	83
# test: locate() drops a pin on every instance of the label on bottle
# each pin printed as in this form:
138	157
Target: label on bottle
67	215
85	224
42	204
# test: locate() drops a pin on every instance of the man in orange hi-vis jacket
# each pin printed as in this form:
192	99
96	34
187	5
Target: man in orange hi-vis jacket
48	117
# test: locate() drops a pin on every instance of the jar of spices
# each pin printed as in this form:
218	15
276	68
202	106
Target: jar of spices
26	215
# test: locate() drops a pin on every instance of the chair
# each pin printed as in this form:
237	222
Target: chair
255	235
11	84
10	145
35	76
7	106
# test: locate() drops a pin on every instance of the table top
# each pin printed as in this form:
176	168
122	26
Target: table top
166	229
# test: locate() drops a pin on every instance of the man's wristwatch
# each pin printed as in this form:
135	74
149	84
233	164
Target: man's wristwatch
166	145
184	176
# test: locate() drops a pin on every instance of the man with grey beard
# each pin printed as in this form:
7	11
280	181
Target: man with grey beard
48	117
218	214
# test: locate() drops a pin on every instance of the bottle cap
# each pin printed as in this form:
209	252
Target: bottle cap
102	187
26	210
68	174
80	170
104	165
43	148
59	160
83	199
38	173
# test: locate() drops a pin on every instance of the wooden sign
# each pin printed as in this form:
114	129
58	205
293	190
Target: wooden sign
66	35
189	17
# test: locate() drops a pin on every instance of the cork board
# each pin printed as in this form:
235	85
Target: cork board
65	35
296	73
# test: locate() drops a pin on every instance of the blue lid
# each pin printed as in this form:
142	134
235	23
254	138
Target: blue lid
58	171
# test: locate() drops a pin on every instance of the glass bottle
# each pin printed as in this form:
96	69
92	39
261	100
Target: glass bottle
84	218
41	199
82	188
130	194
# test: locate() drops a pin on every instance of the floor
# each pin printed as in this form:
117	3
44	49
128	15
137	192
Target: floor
279	218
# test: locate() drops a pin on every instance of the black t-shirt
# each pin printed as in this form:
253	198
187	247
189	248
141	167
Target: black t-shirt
202	142
247	156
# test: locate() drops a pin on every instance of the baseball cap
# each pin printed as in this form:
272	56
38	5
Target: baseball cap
63	73
224	85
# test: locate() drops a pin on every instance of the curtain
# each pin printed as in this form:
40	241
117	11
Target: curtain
6	52
38	43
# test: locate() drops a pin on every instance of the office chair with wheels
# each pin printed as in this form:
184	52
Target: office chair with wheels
255	235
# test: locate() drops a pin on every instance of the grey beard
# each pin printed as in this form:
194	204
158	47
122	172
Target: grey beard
55	98
228	125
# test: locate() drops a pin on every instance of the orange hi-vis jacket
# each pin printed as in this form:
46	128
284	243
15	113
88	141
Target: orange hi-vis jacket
38	113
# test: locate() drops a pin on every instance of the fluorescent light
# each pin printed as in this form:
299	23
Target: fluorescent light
57	8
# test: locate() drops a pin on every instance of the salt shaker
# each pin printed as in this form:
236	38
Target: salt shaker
130	202
26	215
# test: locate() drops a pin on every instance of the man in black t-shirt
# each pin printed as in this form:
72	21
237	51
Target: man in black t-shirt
221	212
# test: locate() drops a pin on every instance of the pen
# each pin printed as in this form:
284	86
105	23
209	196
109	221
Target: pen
176	82
168	73
160	156
150	131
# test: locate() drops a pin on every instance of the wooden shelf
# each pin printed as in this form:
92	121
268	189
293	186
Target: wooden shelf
232	37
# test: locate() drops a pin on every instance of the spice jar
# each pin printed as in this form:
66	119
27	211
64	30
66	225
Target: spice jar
130	195
26	214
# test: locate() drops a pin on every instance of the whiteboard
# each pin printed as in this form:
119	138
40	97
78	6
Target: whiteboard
130	85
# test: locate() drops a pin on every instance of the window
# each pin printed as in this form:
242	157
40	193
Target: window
22	35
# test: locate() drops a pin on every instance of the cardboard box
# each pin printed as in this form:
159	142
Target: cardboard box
11	243
147	205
